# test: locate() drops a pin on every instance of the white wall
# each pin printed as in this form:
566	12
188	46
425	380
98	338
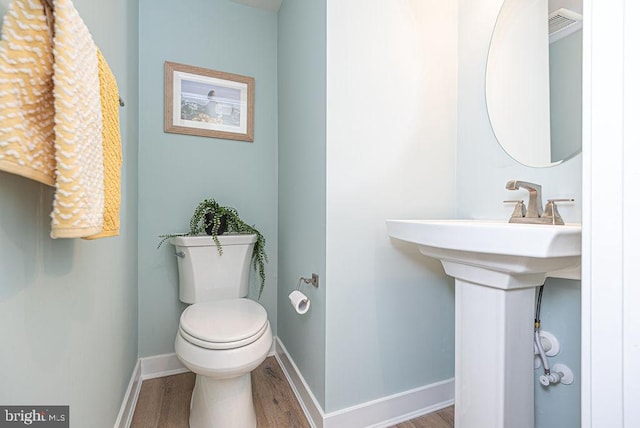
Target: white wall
611	330
391	132
68	307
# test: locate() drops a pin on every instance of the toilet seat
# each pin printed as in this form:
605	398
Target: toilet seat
223	324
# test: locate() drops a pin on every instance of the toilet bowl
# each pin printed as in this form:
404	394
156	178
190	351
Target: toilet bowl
222	341
223	335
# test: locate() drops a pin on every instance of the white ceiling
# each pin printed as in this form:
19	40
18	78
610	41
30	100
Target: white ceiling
272	5
574	5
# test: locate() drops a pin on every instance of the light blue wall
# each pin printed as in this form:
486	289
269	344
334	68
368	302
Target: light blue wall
178	171
559	407
301	185
565	82
68	307
483	168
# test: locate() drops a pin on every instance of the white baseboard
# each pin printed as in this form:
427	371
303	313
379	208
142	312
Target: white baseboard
145	368
310	406
150	368
378	413
394	409
130	398
161	365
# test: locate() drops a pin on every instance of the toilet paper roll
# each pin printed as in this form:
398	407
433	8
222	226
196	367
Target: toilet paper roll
300	302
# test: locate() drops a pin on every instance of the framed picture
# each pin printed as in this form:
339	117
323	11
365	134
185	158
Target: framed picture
208	103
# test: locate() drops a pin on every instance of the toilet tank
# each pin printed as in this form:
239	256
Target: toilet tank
206	275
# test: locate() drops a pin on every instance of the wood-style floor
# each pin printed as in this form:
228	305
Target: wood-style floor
164	402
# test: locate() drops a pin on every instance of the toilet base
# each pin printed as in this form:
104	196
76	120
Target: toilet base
222	403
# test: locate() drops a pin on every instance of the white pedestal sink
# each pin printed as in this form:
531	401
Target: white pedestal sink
496	266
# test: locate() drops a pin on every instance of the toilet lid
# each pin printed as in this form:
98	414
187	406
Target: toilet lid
223	324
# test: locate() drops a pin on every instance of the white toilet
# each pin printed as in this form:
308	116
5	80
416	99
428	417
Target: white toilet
222	336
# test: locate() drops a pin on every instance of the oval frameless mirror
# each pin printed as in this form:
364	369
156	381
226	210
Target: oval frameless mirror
534	80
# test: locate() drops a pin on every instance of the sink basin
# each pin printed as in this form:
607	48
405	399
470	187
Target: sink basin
497	267
528	251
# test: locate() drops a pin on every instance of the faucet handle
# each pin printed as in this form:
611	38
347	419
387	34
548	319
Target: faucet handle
551	210
520	209
561	200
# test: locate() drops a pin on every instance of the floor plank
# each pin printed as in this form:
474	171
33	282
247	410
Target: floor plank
440	419
164	402
274	401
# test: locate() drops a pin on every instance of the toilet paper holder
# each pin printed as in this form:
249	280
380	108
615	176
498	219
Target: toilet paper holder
299	300
314	280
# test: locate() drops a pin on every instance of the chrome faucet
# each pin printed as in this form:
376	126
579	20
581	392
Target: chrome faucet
534	209
534	214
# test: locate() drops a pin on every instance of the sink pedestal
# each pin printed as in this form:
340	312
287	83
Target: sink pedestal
494	345
494	356
497	267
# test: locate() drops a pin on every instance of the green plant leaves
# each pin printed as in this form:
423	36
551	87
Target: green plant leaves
200	222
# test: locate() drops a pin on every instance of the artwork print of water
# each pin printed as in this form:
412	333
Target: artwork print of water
215	104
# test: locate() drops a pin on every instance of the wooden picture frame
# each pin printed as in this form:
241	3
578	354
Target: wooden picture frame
208	103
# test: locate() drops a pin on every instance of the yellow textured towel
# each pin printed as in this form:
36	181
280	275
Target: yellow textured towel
78	204
26	97
111	149
59	117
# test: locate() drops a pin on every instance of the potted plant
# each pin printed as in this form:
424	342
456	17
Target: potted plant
209	216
